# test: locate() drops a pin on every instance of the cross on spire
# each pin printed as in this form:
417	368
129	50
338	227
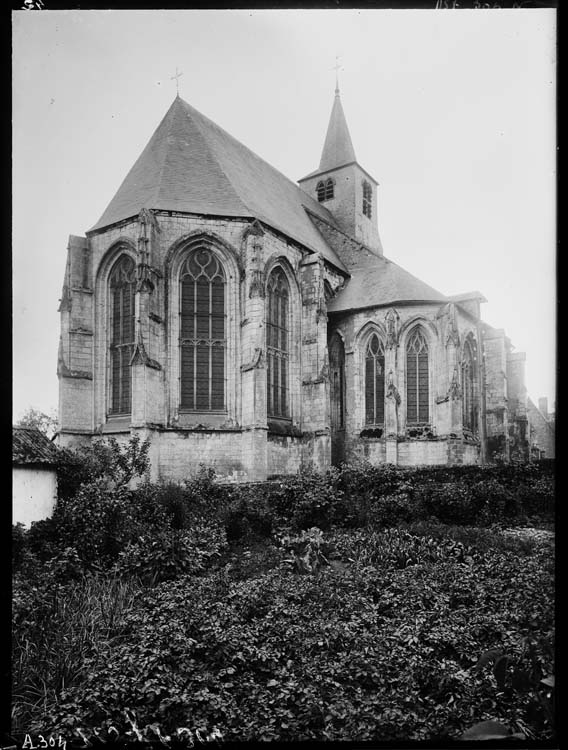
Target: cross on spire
177	77
337	67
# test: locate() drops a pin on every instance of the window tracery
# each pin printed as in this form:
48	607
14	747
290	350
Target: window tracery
277	345
122	284
202	338
417	378
375	381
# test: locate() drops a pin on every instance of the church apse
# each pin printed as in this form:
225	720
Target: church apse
243	322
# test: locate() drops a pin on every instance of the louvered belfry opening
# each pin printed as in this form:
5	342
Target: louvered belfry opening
367	199
325	190
122	291
337	382
468	388
375	381
277	345
417	379
202	333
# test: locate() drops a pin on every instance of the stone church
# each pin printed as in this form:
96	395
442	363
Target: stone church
254	325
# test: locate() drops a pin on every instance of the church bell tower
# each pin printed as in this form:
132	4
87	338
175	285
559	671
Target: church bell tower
342	185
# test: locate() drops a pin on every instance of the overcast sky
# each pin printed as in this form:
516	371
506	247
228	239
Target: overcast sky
453	112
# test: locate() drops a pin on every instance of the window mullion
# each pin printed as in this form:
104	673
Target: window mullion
195	344
210	372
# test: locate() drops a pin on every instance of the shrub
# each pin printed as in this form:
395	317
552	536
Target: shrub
205	498
391	510
302	501
378	649
171	553
248	517
97	521
19	536
101	459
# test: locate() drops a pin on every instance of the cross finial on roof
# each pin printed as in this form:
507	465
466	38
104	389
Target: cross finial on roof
177	76
337	67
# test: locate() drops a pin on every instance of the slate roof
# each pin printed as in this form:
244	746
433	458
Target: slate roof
30	446
338	148
379	281
192	165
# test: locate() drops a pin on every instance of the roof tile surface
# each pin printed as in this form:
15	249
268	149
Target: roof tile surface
338	148
30	446
379	281
192	165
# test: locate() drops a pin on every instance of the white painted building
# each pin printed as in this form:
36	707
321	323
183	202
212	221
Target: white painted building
34	477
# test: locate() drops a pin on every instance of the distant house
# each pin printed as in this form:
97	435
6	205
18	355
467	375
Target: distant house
34	477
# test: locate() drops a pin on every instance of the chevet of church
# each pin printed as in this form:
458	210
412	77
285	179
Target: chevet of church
240	321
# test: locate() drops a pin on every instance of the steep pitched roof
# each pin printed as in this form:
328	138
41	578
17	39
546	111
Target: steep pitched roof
379	281
192	165
338	148
30	446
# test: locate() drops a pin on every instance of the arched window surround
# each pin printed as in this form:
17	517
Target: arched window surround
295	337
202	340
123	246
122	334
337	385
362	340
325	190
469	385
374	377
367	199
176	260
432	340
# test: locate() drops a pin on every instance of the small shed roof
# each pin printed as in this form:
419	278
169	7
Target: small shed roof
30	446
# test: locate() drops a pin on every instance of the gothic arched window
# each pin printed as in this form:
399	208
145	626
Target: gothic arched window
337	382
367	199
202	333
320	191
374	381
277	345
122	289
329	189
417	378
468	388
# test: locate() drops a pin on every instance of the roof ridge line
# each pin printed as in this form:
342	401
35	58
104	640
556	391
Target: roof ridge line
338	229
158	185
243	145
231	183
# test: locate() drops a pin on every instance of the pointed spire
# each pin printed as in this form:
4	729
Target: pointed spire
337	66
338	148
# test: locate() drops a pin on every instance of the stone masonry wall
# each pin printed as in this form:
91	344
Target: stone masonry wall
446	329
347	202
235	443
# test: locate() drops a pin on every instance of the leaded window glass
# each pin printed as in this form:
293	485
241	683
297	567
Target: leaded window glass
374	381
417	379
122	291
277	345
202	338
337	382
468	388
